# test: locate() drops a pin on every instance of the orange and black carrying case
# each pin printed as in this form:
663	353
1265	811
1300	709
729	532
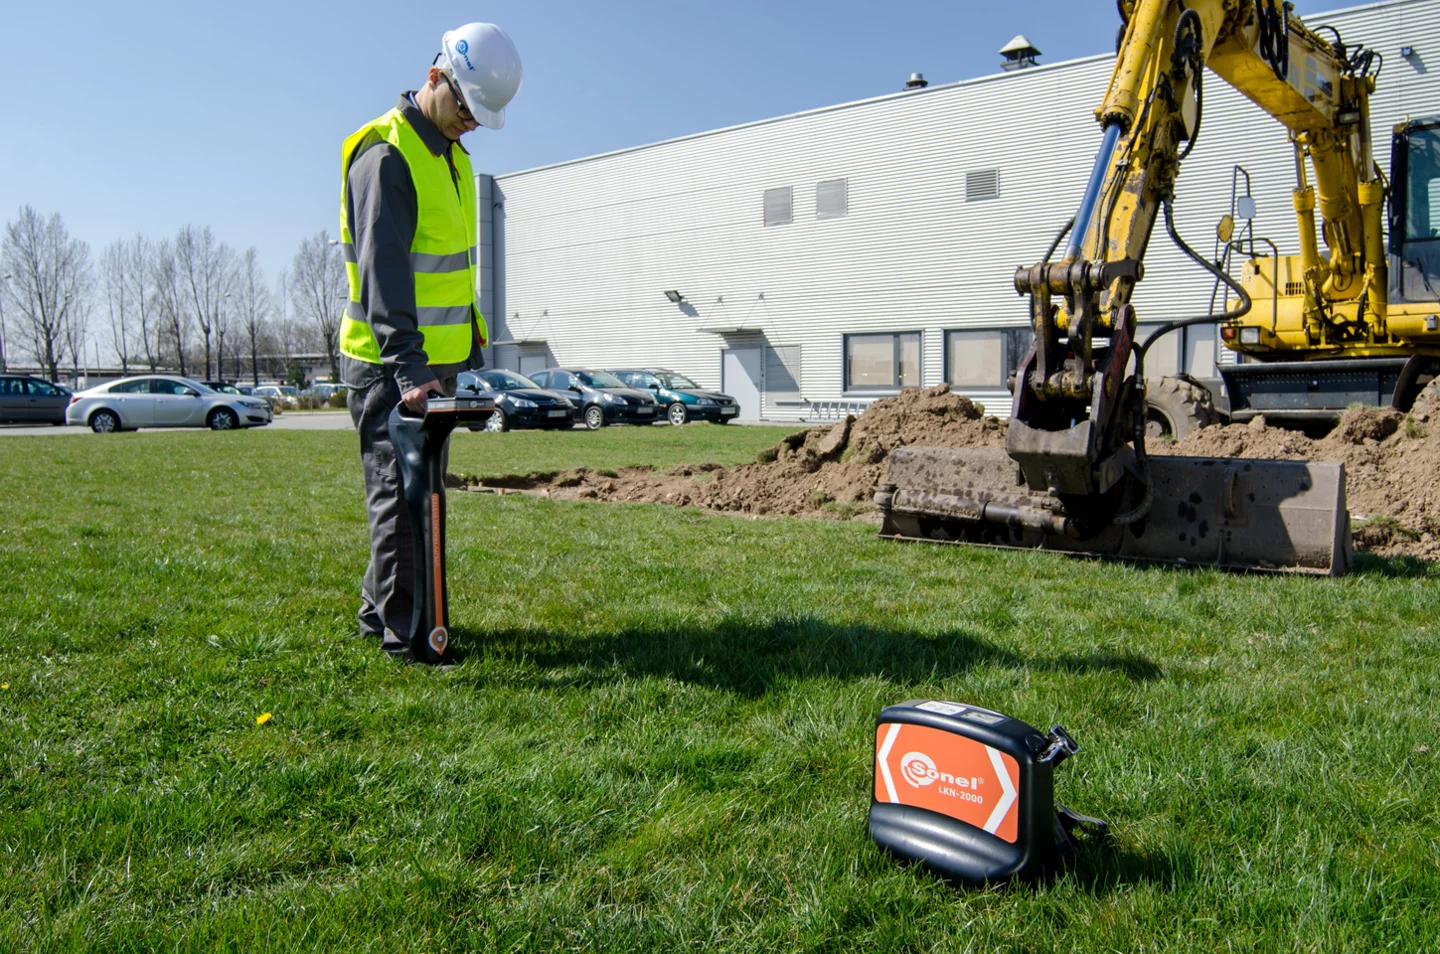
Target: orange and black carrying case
969	792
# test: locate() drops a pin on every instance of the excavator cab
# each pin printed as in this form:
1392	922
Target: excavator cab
1414	252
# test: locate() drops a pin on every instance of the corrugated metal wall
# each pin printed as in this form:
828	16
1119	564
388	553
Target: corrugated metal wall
584	251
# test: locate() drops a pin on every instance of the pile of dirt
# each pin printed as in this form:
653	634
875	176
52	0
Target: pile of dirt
1390	463
823	471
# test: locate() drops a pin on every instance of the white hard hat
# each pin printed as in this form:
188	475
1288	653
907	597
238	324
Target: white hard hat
485	65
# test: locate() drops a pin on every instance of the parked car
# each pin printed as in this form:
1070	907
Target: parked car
285	395
519	402
163	400
323	390
603	398
683	399
224	387
28	400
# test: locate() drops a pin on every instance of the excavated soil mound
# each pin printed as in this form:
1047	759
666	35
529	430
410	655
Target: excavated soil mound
823	471
1391	461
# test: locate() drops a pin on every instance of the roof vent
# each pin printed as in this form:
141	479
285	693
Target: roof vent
917	81
1019	53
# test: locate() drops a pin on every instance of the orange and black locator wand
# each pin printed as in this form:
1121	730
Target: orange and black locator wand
420	443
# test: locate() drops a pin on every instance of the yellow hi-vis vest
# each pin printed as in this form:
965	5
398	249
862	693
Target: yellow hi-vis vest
442	255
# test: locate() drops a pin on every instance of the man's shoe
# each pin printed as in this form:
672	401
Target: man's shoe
406	656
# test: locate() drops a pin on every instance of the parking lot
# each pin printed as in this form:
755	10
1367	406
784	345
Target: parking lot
289	421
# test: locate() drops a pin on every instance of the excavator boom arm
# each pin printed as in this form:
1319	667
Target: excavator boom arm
1076	432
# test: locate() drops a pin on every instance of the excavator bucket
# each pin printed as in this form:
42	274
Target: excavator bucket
1272	515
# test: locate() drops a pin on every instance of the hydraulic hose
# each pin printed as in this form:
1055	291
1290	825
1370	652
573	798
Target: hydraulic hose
1058	239
1238	312
1189	23
1274	254
1273	42
1199	114
1143	507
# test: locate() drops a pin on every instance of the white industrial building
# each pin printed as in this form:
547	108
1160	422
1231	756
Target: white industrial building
827	258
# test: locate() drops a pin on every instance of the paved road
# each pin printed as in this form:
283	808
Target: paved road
289	421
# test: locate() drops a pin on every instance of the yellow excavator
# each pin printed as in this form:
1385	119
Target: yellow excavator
1075	475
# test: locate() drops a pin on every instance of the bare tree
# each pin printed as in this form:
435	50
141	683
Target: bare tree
204	268
252	302
74	332
49	273
317	283
170	301
118	305
139	270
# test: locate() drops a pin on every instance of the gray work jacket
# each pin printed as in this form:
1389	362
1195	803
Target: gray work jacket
382	210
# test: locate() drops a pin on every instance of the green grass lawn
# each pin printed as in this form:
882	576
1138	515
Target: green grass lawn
660	735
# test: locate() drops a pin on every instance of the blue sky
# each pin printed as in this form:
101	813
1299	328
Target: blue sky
144	116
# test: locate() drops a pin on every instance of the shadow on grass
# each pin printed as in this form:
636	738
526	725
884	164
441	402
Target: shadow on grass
1399	568
1364	564
1097	867
1100	867
749	658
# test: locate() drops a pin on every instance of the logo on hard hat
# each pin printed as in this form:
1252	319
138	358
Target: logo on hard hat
463	48
918	769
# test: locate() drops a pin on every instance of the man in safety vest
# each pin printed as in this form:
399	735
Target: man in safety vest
408	233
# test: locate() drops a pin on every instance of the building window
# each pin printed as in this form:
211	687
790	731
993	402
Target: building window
882	361
984	358
984	184
782	372
779	204
832	198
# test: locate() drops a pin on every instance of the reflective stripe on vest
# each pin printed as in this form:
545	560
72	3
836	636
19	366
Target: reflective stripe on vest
436	316
424	261
442	254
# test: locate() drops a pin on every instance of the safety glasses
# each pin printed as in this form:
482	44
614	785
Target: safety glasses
465	113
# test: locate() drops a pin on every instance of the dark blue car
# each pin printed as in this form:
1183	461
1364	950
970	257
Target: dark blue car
602	397
519	402
683	399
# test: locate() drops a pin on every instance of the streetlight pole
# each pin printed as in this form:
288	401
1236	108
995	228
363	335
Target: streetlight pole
220	357
75	357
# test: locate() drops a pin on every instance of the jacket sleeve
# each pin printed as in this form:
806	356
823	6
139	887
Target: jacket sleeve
383	214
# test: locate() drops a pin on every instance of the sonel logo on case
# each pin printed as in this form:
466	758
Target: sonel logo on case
949	774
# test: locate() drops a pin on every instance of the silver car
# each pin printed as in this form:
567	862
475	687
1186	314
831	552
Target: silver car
163	400
286	395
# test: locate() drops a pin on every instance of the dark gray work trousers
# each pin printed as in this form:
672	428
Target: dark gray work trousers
387	592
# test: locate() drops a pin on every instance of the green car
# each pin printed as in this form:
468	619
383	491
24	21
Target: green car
682	398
